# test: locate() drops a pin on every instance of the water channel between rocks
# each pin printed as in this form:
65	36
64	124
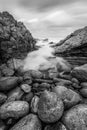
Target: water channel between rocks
40	57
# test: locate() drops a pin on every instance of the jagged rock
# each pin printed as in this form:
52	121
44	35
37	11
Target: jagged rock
69	97
74	43
15	40
74	47
76	118
14	109
7	83
6	71
29	122
80	73
50	107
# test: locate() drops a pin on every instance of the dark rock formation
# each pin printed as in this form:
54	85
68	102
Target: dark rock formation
73	46
15	39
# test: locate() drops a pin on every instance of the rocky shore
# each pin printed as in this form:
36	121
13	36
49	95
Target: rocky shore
51	98
15	40
74	47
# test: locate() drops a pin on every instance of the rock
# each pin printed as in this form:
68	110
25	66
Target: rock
3	98
15	94
14	109
43	81
28	97
26	88
14	63
76	118
50	107
80	73
83	84
69	97
76	86
6	71
30	122
83	92
57	126
74	44
36	74
62	82
15	40
34	104
7	83
45	85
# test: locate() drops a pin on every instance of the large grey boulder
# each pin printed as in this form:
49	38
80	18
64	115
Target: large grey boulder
29	122
50	107
76	118
14	109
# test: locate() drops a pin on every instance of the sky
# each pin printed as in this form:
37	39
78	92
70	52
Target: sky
53	19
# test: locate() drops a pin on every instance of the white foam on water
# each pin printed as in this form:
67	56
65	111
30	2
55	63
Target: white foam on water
38	57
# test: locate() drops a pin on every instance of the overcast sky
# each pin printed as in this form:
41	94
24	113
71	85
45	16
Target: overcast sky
53	19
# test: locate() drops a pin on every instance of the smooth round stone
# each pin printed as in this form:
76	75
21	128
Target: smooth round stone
29	122
83	92
69	97
14	109
76	86
26	88
74	80
15	94
34	104
7	83
83	84
76	118
3	98
50	107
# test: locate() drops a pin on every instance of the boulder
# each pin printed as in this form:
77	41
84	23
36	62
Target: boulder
74	47
15	39
29	122
74	43
80	73
50	107
14	109
15	94
7	83
76	118
69	97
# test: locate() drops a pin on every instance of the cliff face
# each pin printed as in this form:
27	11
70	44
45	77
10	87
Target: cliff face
74	46
15	40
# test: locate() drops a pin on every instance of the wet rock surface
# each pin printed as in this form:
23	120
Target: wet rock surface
54	97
